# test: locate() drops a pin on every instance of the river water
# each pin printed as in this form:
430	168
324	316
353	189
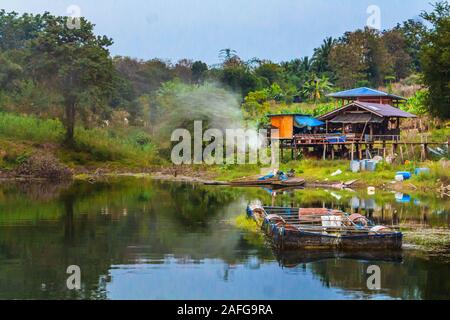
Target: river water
142	239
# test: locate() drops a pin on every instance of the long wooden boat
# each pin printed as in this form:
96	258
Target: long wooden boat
319	228
291	182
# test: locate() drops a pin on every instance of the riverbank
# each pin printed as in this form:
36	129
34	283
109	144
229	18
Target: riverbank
130	151
315	173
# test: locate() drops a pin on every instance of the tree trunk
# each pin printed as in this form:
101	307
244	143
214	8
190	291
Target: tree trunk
70	122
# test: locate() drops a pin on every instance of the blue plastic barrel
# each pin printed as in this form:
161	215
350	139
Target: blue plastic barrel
406	175
363	164
421	170
355	166
371	165
405	199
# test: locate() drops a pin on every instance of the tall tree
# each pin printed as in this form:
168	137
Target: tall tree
75	62
395	43
269	71
227	54
347	60
413	31
183	70
435	59
16	30
321	55
360	58
380	63
199	70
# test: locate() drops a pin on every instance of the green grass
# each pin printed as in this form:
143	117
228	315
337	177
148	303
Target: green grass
30	128
252	233
320	171
431	239
23	135
440	135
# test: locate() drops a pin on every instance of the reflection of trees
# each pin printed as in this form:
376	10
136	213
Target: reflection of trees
126	221
418	278
41	191
98	225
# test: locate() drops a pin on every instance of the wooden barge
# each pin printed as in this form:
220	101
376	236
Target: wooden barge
318	228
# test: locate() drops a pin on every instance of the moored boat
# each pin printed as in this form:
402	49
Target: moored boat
320	228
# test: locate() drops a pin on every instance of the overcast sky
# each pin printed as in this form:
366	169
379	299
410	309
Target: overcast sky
197	29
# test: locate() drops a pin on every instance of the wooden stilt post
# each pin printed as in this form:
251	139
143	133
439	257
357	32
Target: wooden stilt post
353	147
401	154
406	150
324	152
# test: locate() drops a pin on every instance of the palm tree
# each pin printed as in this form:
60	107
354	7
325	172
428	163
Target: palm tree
227	54
315	88
321	54
305	65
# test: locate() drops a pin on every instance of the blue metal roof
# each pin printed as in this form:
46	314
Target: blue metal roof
363	92
306	121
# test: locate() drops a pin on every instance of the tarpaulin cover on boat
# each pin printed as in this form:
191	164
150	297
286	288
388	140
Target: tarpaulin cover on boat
305	121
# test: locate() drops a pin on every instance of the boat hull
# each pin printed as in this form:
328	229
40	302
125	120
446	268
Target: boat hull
290	239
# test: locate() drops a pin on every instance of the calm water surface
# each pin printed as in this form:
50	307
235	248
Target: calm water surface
141	239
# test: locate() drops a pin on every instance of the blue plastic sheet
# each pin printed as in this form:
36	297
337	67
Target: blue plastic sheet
305	121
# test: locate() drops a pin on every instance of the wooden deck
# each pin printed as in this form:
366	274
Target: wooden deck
356	145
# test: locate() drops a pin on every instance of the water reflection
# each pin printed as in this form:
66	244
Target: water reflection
145	239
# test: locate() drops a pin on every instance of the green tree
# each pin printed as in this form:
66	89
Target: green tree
227	54
396	45
361	57
347	60
321	56
16	30
75	62
199	71
379	61
413	32
435	59
9	72
270	72
183	70
316	88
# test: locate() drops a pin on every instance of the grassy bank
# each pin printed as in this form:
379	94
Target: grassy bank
321	171
22	136
129	149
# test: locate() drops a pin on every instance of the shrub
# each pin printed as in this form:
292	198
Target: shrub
43	166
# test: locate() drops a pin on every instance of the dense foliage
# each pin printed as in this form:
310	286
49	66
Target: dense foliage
51	71
435	60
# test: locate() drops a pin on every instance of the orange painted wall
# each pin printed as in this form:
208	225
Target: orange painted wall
285	124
